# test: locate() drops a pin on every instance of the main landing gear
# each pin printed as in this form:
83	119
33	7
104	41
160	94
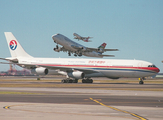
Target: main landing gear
77	54
69	80
69	54
141	80
87	80
57	47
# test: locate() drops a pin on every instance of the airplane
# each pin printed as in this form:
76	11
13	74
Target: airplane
78	49
85	39
75	68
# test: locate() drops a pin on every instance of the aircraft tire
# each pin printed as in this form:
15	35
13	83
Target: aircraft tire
83	81
141	82
62	81
69	54
75	81
87	81
70	81
90	81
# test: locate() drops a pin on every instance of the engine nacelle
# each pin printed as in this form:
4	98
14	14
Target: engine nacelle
84	49
40	71
77	75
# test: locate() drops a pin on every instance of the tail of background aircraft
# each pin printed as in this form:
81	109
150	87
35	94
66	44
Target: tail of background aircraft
102	47
15	48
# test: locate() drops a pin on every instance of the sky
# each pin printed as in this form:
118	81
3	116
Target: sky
135	27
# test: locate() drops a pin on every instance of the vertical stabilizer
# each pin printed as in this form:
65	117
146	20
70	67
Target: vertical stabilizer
15	48
102	47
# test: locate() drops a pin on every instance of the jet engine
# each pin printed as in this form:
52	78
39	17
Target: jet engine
77	75
40	71
84	49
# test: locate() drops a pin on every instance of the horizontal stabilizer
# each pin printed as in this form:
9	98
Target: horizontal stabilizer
107	55
14	60
5	63
111	50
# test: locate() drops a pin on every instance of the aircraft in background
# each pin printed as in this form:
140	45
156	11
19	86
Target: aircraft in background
76	69
85	39
79	50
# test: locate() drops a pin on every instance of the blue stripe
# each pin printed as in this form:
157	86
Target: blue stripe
136	70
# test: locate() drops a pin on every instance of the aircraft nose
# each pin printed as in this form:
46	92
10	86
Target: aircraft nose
53	36
157	70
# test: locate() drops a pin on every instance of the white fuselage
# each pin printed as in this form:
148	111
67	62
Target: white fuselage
110	68
78	36
66	42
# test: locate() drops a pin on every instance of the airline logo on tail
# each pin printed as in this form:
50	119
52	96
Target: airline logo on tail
13	44
102	46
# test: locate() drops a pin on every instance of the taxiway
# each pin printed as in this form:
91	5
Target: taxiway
75	103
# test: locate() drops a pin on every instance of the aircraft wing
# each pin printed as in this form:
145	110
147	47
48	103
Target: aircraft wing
79	38
63	49
52	67
97	49
87	49
86	71
77	47
68	69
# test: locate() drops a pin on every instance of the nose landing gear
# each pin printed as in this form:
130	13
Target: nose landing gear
141	80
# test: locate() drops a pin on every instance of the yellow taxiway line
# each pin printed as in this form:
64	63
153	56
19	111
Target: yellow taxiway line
133	114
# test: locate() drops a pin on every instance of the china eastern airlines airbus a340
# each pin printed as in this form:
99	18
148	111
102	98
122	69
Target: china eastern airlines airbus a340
76	69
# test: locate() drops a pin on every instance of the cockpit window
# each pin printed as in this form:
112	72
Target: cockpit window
151	66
